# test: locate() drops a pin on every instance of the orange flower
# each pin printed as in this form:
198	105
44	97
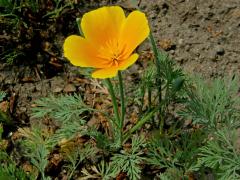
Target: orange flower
109	40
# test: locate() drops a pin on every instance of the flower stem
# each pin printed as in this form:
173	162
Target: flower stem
156	55
159	80
115	107
123	109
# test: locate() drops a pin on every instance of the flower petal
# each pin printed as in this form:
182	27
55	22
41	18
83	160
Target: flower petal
81	53
134	31
105	73
128	62
103	24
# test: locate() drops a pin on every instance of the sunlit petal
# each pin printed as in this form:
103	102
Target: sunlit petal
105	73
81	53
128	62
134	31
103	24
109	40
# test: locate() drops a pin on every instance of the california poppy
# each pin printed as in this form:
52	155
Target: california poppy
109	40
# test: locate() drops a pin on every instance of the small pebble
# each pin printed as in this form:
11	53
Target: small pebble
180	42
212	55
187	47
220	50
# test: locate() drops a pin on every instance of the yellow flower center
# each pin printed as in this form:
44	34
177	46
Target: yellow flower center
112	53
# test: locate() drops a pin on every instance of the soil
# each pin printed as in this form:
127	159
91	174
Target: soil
202	36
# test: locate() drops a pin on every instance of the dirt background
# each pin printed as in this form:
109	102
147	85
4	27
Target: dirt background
202	36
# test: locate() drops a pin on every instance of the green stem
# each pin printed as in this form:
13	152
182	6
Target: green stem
139	124
123	109
156	55
74	168
150	104
155	50
43	175
9	15
149	98
115	106
159	80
